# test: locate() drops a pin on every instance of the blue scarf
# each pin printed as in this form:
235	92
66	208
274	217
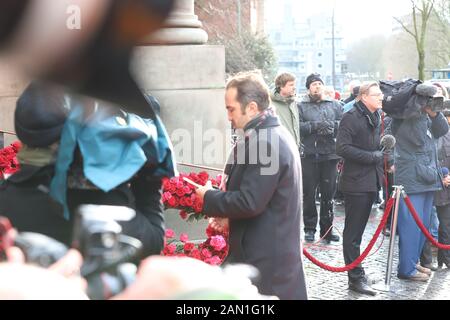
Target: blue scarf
114	149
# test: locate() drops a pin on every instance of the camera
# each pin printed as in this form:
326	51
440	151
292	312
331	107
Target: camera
436	104
107	253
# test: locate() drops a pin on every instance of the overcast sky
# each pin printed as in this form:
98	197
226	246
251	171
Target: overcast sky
357	17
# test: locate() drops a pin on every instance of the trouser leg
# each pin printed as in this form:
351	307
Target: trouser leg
310	178
328	171
444	233
357	212
410	237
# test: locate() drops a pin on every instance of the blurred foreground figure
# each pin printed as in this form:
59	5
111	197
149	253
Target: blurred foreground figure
85	45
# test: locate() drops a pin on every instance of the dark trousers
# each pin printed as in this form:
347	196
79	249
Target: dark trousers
318	174
444	233
357	211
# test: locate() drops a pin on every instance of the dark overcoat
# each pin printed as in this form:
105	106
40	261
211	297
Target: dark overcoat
263	204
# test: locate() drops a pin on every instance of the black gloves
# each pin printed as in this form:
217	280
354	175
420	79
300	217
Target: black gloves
322	128
377	156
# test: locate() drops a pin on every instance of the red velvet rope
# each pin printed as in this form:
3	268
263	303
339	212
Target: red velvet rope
366	252
422	227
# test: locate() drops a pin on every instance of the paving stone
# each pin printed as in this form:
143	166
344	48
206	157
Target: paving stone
325	285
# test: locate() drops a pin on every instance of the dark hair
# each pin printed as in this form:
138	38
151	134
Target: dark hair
250	87
40	115
283	79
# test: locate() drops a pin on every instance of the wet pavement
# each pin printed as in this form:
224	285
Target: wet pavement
326	285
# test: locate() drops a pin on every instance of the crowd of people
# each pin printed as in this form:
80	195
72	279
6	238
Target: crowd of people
61	170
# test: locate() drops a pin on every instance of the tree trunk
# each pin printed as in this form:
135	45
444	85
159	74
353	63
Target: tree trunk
421	63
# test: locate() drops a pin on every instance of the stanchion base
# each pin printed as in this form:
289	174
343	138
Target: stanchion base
384	288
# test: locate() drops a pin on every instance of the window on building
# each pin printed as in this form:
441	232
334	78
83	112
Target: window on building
319	66
319	54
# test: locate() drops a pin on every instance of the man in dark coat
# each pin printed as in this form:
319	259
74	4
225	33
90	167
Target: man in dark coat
358	142
319	121
263	196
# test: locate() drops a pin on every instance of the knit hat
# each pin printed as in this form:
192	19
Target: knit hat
313	78
40	115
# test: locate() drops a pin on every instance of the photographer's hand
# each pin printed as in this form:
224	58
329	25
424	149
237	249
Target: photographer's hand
430	112
13	254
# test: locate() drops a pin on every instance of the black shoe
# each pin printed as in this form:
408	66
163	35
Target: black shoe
361	287
309	236
386	233
330	237
334	237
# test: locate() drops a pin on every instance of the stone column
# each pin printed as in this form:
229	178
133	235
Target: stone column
188	79
11	86
182	27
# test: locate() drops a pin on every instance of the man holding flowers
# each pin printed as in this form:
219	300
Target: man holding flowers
261	194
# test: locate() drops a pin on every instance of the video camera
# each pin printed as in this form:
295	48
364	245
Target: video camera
407	99
107	253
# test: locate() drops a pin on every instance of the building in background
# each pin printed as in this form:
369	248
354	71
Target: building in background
305	45
230	17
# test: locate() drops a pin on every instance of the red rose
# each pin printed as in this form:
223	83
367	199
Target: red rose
180	192
218	243
169	233
195	254
184	237
183	214
173	202
206	253
188	247
188	202
187	190
215	261
170	249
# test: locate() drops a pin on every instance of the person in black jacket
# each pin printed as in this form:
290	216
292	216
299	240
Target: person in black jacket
25	199
358	142
319	121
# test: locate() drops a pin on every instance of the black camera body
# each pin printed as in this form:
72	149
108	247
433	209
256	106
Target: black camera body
106	251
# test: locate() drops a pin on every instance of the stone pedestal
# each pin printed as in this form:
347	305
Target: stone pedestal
11	86
182	27
188	81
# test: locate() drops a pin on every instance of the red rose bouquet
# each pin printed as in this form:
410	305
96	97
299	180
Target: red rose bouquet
179	194
212	251
8	160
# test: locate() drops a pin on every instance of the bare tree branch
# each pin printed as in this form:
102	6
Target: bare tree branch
404	26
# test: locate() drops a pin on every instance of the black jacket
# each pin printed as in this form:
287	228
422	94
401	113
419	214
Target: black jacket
442	198
265	213
312	115
25	201
143	194
357	139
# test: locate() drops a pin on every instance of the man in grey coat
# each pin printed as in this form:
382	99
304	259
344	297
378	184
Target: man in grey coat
262	200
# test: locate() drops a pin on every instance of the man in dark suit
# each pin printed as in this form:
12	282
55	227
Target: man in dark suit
262	198
358	142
